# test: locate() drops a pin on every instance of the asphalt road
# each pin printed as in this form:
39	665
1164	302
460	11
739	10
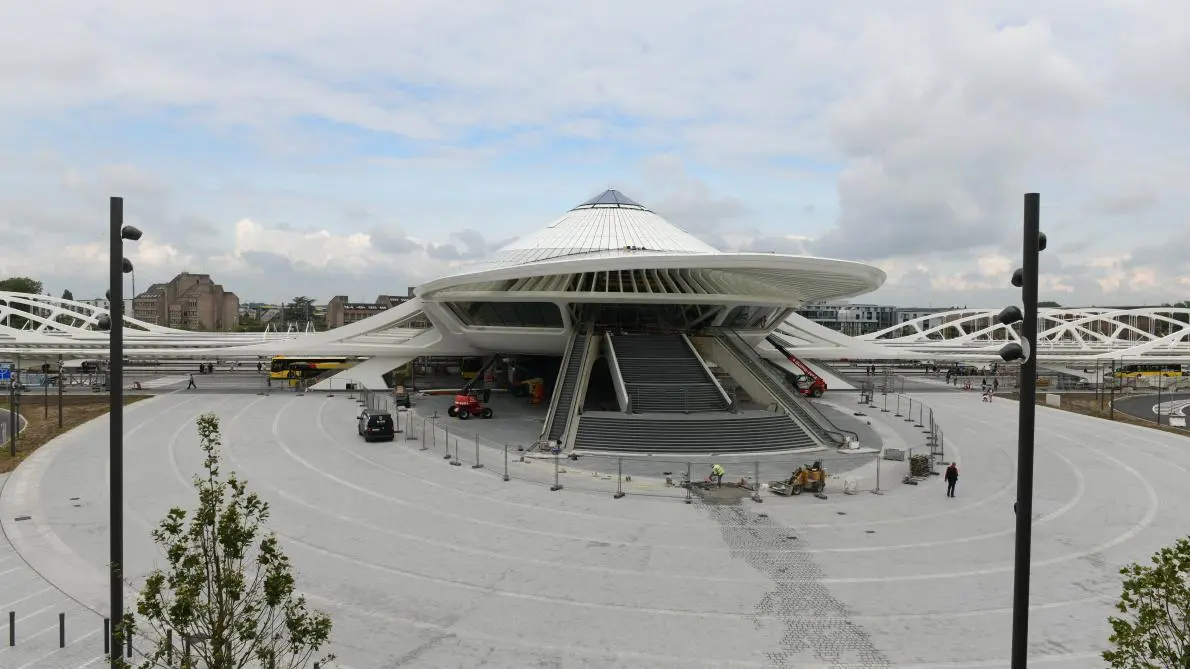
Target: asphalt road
1142	407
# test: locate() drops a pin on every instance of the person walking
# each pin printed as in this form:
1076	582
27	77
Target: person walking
952	477
717	473
191	385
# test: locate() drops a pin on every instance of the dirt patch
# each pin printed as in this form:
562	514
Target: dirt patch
1099	406
730	493
76	410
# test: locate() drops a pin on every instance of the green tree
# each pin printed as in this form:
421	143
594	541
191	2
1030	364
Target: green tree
67	295
300	308
1049	305
228	587
1154	632
20	284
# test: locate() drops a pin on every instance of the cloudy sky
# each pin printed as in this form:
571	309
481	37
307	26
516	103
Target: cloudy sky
361	147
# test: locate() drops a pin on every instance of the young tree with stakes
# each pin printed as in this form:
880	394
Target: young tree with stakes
1155	632
227	598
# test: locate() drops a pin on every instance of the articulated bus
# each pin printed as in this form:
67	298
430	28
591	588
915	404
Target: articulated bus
303	367
1141	371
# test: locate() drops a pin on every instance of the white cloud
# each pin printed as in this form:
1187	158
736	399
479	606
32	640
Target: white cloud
903	136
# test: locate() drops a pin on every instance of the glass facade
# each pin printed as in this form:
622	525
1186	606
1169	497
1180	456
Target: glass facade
508	314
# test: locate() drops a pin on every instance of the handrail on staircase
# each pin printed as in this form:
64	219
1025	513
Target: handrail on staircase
809	412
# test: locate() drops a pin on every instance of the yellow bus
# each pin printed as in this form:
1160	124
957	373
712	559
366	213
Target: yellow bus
1140	371
303	367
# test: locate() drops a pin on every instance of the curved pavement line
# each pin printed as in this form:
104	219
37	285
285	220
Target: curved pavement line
552	511
371	527
1080	491
1146	520
554	535
885	521
989	570
1150	515
368	491
435	511
1043	658
23	495
499	640
687	661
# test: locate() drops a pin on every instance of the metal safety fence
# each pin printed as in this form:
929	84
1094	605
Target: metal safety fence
460	444
47	638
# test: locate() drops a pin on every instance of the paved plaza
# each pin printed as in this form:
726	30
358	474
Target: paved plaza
424	564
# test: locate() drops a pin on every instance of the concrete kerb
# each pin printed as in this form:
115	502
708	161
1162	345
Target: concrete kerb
622	473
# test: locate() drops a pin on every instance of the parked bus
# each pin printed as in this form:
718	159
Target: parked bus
303	367
1141	371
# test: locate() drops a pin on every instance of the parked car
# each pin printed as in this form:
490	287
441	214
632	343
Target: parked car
377	425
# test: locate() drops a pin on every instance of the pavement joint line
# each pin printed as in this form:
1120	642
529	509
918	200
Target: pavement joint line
1094	461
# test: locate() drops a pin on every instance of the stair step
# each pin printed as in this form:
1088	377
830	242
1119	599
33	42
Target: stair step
751	433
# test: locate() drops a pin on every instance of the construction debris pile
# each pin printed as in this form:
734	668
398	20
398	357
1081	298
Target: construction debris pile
919	466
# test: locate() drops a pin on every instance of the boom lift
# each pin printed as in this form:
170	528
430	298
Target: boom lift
808	383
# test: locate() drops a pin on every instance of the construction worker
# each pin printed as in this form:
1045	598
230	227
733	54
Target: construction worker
717	473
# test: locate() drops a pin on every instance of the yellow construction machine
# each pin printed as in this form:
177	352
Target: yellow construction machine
807	477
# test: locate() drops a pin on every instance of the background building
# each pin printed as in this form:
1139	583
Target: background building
102	303
189	301
341	310
861	319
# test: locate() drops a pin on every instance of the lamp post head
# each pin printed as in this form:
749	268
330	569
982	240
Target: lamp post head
104	322
126	265
130	232
1013	351
1009	315
1018	277
1041	241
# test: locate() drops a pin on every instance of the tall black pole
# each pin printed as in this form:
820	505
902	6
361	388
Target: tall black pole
1028	408
13	421
116	424
60	391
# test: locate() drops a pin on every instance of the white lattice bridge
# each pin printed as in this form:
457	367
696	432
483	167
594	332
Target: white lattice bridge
1154	332
40	324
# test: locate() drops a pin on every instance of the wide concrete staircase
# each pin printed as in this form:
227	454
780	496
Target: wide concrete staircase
718	433
664	374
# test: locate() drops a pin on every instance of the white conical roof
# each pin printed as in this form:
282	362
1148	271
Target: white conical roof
609	221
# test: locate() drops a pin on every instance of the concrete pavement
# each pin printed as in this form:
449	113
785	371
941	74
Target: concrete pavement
422	564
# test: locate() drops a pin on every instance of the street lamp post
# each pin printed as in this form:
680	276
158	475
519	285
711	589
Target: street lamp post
59	391
118	266
13	420
1025	278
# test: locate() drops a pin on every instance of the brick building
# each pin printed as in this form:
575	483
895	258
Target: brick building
190	302
341	310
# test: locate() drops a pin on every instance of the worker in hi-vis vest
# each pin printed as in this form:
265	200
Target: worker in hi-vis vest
717	474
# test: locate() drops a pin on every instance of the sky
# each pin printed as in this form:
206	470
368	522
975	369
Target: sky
361	147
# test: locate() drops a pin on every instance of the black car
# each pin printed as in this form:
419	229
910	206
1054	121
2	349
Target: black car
377	425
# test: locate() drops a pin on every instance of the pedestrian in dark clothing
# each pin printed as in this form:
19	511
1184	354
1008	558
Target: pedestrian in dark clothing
191	384
952	477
